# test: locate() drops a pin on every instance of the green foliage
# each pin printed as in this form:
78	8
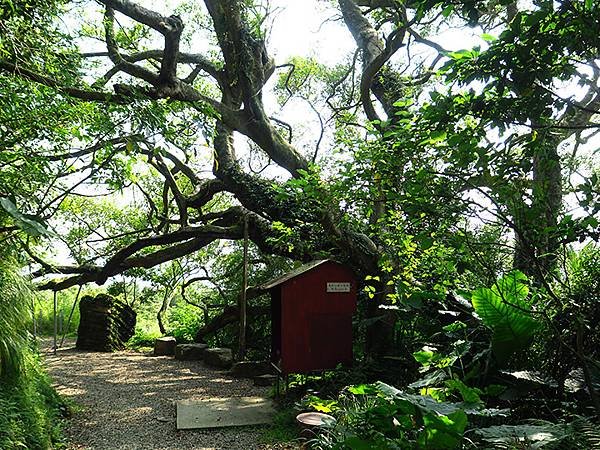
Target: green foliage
16	297
575	313
584	274
29	224
44	312
506	309
184	321
29	406
441	380
30	410
534	436
143	338
380	416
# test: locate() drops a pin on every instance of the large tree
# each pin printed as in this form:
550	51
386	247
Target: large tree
146	98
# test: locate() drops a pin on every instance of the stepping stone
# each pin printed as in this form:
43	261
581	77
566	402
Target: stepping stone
165	346
250	369
218	357
224	412
190	352
265	380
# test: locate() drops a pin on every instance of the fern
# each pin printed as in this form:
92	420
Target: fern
505	310
586	433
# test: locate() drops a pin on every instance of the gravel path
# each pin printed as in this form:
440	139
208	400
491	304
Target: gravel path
126	400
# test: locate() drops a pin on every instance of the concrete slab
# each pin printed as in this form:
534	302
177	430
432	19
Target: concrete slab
224	412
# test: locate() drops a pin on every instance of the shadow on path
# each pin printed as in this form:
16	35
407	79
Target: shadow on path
126	400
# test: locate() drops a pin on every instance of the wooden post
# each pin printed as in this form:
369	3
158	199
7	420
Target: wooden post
55	322
34	318
134	291
66	330
242	305
124	289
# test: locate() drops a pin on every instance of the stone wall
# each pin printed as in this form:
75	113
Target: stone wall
105	323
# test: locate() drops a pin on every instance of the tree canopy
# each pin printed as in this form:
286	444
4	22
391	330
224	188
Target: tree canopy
133	136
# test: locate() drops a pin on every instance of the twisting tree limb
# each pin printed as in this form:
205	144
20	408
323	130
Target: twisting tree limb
375	54
115	56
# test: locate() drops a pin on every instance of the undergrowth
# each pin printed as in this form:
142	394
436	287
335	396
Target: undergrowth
283	427
30	409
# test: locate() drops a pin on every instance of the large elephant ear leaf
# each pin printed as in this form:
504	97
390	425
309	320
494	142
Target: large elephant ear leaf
514	286
505	310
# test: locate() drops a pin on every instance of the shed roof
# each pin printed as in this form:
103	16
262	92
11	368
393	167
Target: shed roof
292	274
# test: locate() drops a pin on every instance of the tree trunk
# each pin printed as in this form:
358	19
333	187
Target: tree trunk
537	244
163	309
380	333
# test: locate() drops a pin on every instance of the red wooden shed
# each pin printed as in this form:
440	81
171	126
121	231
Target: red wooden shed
311	317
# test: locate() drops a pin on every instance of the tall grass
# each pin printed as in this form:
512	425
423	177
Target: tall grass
29	407
15	297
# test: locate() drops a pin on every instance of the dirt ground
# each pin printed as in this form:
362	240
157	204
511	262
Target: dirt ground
126	400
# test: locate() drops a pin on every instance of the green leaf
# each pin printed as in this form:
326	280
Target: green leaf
28	224
513	286
426	242
443	432
430	379
537	435
437	136
447	10
468	394
362	389
425	357
455	326
488	37
504	309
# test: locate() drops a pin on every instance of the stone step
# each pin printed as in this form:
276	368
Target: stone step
250	369
190	352
218	357
265	380
165	346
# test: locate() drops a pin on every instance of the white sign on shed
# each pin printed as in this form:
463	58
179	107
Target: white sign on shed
337	286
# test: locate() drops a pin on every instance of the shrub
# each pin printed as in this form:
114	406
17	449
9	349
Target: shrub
184	322
143	338
380	416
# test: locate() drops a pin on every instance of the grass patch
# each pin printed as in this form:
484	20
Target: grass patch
284	428
30	410
143	339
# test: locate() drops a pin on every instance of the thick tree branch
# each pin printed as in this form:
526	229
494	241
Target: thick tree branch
200	62
115	56
247	67
205	192
171	184
82	94
375	54
142	15
194	239
94	148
